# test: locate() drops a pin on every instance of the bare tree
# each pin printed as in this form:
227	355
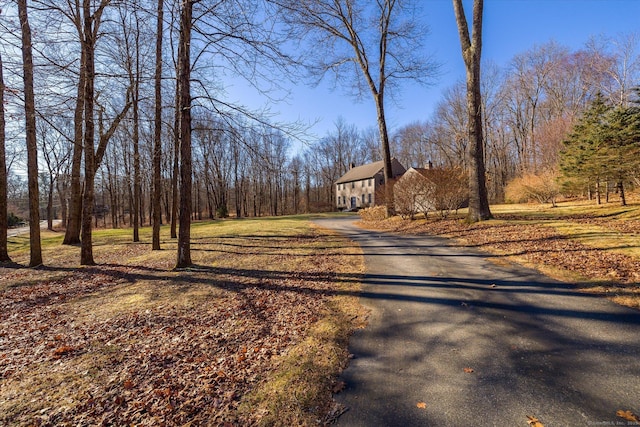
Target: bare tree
131	33
157	133
32	148
4	254
92	155
471	53
184	133
56	151
373	44
72	232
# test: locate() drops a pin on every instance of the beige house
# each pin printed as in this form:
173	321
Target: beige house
421	190
357	188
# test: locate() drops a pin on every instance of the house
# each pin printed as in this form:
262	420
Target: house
357	188
421	190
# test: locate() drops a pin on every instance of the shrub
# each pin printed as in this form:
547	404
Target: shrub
411	195
451	189
375	213
13	220
542	187
222	211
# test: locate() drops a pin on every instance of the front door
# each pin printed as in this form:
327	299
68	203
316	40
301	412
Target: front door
353	203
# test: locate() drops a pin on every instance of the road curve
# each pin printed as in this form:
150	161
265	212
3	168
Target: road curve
457	339
13	232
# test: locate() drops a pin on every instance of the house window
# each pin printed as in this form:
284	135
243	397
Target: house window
369	182
363	202
353	184
369	198
363	183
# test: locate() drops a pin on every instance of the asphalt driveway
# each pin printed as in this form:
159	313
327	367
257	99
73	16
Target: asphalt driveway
457	338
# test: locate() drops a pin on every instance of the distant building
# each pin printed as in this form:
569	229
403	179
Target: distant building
357	188
421	190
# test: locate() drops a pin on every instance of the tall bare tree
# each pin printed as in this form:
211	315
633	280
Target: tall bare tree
373	45
157	133
72	232
131	34
35	248
471	53
4	254
92	155
184	133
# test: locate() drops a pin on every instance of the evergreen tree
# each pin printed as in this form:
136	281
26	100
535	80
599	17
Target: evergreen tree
579	160
604	145
621	151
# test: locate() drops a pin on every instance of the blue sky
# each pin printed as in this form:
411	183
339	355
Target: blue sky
510	27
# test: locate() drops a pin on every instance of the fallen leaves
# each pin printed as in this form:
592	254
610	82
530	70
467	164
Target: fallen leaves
468	370
628	415
63	351
159	358
338	387
534	422
421	405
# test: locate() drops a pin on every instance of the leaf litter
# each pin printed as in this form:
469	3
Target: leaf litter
120	345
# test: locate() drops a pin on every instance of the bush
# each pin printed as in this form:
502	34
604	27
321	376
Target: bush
13	220
412	194
222	211
375	213
541	187
451	189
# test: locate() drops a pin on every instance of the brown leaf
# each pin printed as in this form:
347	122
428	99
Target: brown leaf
128	384
534	422
628	415
338	387
468	370
421	405
61	351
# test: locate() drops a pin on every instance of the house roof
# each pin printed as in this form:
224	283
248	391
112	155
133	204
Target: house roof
369	171
422	171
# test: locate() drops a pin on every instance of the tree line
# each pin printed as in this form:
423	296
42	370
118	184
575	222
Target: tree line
129	124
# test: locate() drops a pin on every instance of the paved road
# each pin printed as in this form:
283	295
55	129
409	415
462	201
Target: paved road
536	347
12	232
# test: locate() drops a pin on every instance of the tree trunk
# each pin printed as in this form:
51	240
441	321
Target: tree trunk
136	165
86	251
471	53
386	151
4	223
50	204
72	232
623	198
32	148
157	136
176	165
184	132
61	187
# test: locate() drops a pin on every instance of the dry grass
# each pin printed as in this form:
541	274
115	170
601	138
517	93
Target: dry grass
131	341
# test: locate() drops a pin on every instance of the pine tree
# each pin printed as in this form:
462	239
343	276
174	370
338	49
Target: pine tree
621	151
580	161
604	145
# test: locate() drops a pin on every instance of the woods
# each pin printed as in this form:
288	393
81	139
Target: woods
133	129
